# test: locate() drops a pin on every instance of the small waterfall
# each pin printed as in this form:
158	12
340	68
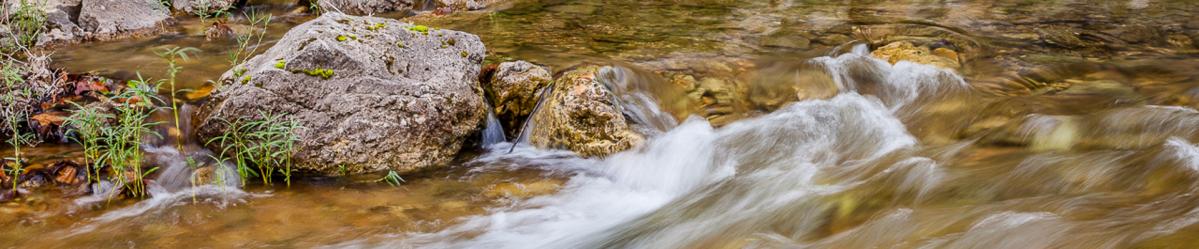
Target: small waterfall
191	176
493	131
527	126
638	98
179	172
899	86
195	167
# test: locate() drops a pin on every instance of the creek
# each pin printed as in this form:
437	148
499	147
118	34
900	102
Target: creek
1034	142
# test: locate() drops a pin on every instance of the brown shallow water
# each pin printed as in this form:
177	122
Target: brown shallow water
313	212
1073	132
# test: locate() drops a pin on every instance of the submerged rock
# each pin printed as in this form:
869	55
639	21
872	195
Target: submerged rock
524	189
905	51
218	30
1064	37
372	94
68	173
514	91
582	115
714	87
774	85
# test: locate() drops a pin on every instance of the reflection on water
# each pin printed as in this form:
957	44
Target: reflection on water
312	213
123	59
1070	124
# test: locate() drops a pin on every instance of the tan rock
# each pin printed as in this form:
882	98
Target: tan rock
514	91
582	115
905	51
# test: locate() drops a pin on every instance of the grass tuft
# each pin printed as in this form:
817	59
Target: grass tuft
123	154
392	178
249	42
173	55
88	123
260	147
15	108
25	24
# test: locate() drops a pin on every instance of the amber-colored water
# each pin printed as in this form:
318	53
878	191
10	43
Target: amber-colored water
1071	124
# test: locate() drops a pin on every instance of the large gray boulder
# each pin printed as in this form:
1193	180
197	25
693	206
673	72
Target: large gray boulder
582	115
104	19
372	94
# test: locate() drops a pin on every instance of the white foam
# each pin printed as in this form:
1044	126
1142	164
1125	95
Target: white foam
774	156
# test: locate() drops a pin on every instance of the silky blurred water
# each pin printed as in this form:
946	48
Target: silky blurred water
1070	124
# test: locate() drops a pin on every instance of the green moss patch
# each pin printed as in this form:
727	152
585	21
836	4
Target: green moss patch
324	73
376	27
419	28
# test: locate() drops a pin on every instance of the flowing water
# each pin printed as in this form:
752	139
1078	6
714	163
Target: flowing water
493	131
1071	124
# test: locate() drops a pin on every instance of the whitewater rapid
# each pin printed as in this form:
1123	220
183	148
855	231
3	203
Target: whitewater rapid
696	182
782	180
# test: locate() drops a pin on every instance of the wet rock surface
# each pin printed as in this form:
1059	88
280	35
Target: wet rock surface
905	51
372	94
71	21
465	4
580	114
514	90
366	7
105	19
202	7
713	87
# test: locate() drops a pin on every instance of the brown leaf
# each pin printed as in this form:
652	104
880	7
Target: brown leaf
66	173
50	118
88	84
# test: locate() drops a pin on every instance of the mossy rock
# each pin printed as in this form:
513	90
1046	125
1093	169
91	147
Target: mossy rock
364	103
